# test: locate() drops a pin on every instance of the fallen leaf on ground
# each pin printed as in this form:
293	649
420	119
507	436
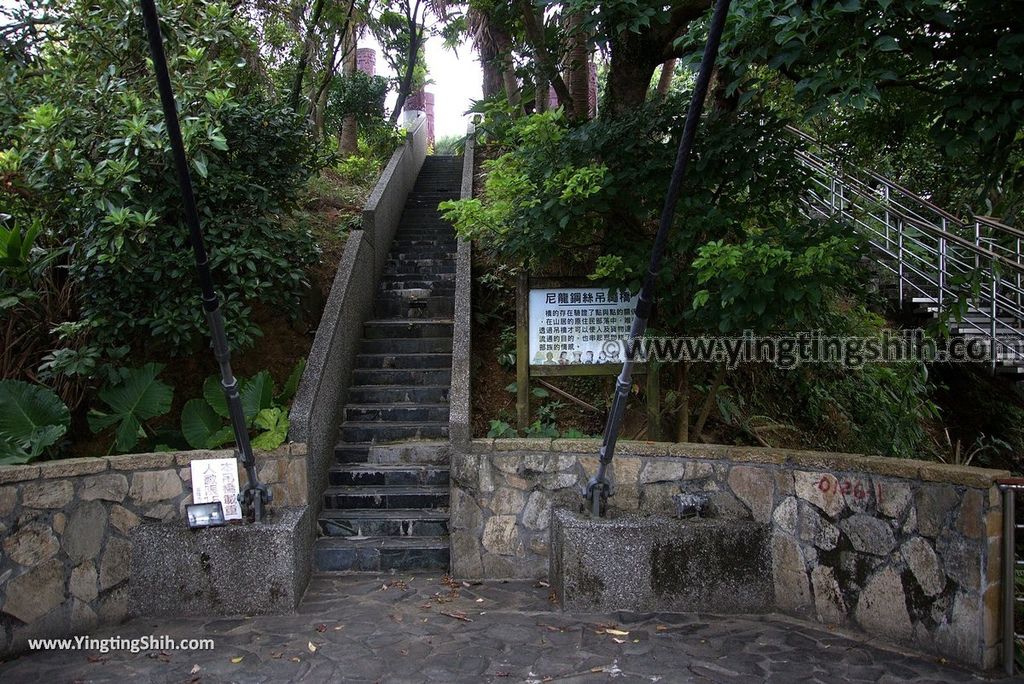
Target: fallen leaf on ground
321	628
618	641
479	600
238	659
295	659
311	646
458	615
613	632
195	668
541	584
276	655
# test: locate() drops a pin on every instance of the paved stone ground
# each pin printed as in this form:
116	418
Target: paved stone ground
399	628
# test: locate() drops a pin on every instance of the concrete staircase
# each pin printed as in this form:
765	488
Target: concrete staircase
386	506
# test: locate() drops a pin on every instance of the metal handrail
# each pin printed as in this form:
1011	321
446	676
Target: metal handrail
929	249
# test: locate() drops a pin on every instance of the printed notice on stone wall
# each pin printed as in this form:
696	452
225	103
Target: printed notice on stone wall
216	479
569	326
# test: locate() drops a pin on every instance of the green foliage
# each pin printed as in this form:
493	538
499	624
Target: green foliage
741	255
359	95
32	420
86	157
138	398
204	421
450	145
500	428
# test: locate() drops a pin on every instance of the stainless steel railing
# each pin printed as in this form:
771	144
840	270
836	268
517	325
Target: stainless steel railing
936	258
1011	564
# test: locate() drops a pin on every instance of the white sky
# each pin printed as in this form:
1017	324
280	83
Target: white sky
456	81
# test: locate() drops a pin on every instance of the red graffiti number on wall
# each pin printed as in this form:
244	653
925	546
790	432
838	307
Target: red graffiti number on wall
844	487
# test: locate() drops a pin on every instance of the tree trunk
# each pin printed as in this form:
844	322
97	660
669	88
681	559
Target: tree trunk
629	74
307	47
577	71
503	45
668	69
705	411
545	62
683	392
490	66
405	86
348	142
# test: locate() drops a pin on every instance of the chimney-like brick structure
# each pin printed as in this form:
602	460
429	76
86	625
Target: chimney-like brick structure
424	102
366	61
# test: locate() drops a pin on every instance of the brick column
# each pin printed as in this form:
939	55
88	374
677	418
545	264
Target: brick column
366	61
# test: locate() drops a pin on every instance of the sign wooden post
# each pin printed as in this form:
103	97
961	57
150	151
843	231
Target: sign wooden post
566	332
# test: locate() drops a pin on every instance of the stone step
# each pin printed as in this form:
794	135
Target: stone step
365	431
411	412
333	554
403	266
423	452
387	475
424	327
411	360
419	496
448	243
402	376
407	345
432	278
399	522
390	394
420	254
392	306
416	289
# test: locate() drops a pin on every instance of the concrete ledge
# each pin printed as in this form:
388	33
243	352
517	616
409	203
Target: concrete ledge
928	471
460	417
232	570
660	564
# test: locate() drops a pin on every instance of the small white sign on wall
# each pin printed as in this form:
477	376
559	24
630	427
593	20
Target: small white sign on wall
216	479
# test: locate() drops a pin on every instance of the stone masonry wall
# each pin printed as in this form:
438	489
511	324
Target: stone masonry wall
64	525
907	551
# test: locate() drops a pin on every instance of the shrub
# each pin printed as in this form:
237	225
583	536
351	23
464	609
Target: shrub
83	149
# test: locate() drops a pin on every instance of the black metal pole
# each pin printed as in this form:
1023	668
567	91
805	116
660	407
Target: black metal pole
599	487
254	495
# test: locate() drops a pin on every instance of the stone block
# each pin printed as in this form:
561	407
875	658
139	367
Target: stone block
501	536
47	493
933	504
34	594
116	563
869	534
141	461
507	501
18	473
71	467
971	521
789	576
924	564
8	500
820	489
31	544
84	533
82	584
663	470
537	513
882	607
106	487
659	563
828	597
756	488
123	519
250	569
155	485
893	498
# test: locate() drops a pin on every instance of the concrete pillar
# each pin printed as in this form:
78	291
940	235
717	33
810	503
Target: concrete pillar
424	102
